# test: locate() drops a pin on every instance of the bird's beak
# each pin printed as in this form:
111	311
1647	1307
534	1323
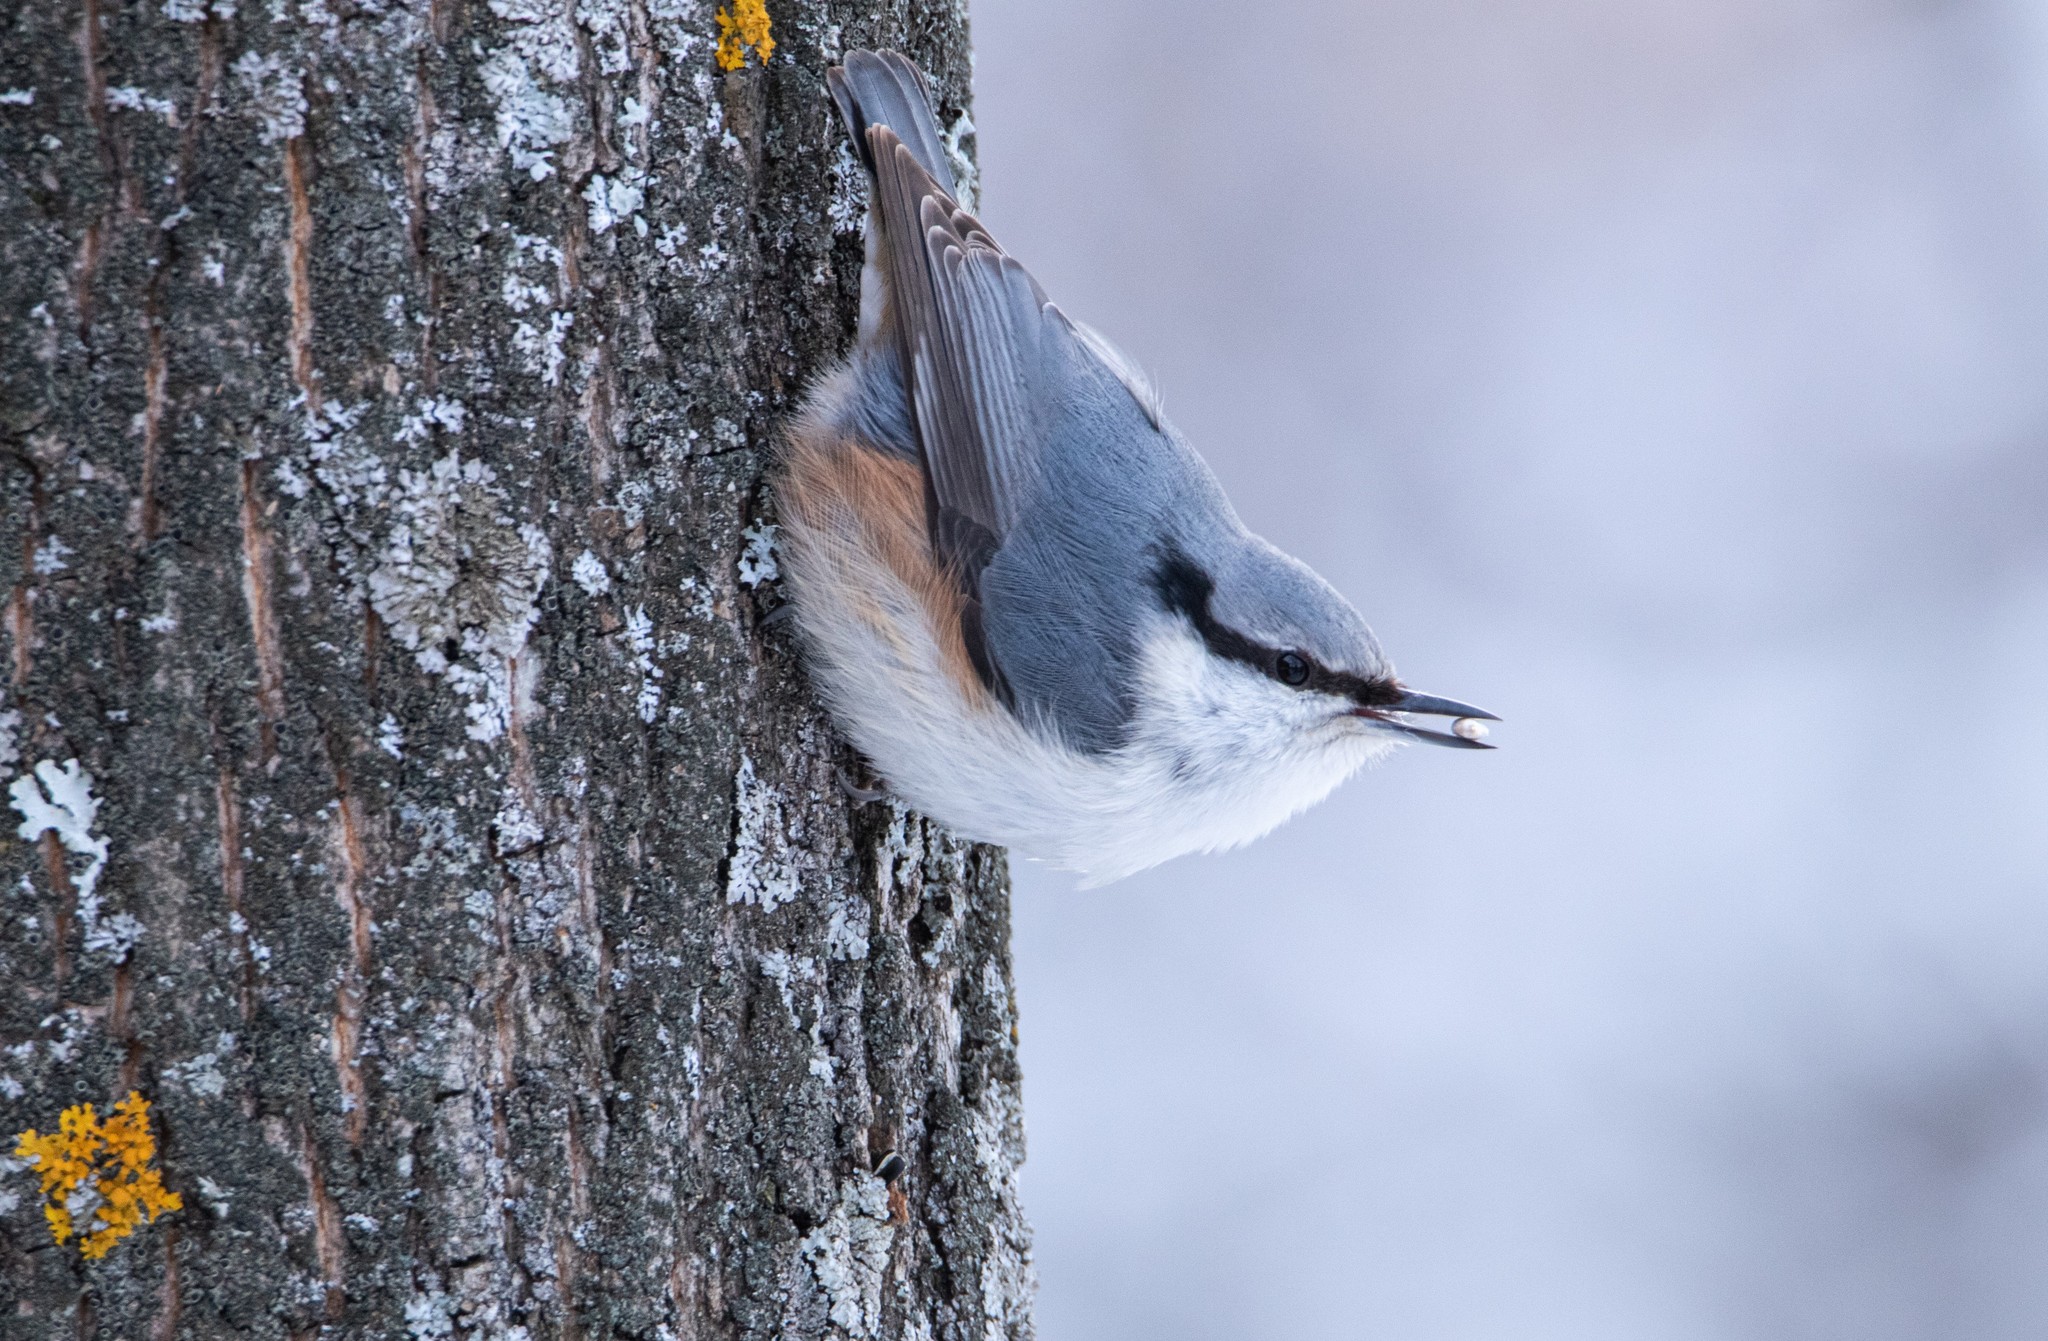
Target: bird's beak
1428	705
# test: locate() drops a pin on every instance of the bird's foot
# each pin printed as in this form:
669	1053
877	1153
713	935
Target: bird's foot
863	795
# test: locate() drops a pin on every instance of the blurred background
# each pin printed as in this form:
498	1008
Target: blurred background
1672	379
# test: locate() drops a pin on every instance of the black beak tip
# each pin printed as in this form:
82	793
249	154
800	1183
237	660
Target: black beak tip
1429	705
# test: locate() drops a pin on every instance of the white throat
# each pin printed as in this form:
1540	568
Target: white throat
1229	752
1218	755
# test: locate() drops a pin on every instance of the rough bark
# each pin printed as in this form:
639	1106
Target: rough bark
387	391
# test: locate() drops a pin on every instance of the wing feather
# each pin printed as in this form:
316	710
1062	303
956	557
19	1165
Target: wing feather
1005	395
971	323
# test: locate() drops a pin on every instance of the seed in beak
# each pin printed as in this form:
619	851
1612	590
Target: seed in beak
1468	728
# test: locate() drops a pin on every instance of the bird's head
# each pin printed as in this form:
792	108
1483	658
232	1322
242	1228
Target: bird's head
1274	659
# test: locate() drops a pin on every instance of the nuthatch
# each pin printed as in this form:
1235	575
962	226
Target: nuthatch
1023	596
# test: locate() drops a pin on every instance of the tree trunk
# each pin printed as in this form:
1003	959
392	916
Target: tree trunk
388	386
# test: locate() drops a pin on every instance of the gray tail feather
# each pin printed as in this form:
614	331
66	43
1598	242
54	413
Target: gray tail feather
883	88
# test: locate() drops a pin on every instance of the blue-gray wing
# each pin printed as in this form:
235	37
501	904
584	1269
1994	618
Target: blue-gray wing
1044	452
981	349
994	374
971	328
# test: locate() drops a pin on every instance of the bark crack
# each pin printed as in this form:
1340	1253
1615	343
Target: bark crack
228	819
299	268
256	569
330	1242
352	992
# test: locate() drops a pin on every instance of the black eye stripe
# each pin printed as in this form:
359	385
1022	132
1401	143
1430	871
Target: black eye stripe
1185	590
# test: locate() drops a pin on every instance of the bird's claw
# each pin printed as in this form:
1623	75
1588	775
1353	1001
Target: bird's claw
860	795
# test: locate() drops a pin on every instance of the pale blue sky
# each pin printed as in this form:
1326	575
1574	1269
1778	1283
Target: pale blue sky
1672	379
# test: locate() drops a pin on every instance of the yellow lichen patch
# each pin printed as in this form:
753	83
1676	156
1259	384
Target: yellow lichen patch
98	1172
746	26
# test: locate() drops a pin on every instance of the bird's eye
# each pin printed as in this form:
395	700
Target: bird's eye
1292	669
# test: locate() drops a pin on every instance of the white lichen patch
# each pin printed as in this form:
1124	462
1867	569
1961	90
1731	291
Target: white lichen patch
391	737
848	1256
521	294
763	868
50	556
195	11
73	1028
429	1317
997	991
532	122
848	209
64	805
544	340
703	601
440	844
344	466
455	562
217	1198
541	34
259	953
671	239
10	740
457	571
898	854
1007	1283
431	413
590	574
201	1075
544	349
612	199
757	561
275	95
486	689
846	935
633	497
545	44
640	637
129	98
786	971
518	829
525	244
